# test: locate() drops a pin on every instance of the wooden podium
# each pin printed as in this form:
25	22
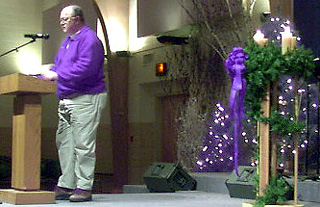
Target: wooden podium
26	139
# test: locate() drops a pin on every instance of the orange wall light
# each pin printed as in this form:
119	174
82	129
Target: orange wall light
161	69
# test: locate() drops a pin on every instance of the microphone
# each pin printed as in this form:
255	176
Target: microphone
37	36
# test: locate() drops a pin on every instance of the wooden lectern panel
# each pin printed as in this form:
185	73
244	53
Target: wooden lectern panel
26	138
27	197
18	83
26	142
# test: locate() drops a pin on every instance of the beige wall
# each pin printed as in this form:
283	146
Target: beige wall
47	4
116	17
260	7
156	16
19	17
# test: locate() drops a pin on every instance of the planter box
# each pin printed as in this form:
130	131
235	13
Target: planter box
243	186
251	204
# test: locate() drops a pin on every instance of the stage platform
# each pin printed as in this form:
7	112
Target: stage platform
206	182
211	191
177	199
309	190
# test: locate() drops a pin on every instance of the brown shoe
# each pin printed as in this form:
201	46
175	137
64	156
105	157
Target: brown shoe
80	195
62	193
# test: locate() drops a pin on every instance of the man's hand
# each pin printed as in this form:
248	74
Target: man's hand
50	75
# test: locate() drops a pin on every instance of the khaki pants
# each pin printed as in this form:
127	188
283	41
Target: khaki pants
79	119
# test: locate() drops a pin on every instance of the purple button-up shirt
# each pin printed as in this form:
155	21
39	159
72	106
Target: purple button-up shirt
79	65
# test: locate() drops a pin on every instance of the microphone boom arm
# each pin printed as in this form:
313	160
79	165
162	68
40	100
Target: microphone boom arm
16	49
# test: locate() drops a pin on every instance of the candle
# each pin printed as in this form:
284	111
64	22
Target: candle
286	39
259	38
293	42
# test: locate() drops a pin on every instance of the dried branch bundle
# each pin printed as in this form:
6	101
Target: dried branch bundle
219	26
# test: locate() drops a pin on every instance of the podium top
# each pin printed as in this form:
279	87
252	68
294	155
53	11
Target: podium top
18	83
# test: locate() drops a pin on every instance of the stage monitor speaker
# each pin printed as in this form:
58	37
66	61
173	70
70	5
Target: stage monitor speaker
243	186
168	177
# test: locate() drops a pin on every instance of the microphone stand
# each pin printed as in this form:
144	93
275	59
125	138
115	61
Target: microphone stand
16	49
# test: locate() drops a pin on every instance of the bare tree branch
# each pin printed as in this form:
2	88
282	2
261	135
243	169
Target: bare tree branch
237	29
221	25
214	35
252	4
197	4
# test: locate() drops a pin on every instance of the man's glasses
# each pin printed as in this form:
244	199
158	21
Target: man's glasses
66	19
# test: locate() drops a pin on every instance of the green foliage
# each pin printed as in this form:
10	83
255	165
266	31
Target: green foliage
299	62
275	192
282	125
267	64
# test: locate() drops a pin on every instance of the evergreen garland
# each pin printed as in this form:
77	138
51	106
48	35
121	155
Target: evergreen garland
267	64
275	193
283	125
264	66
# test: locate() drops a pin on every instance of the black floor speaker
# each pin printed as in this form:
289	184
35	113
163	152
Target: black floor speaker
243	186
168	177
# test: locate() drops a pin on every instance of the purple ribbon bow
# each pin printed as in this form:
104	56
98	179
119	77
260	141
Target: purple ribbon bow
236	69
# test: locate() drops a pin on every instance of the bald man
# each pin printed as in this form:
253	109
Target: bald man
81	89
